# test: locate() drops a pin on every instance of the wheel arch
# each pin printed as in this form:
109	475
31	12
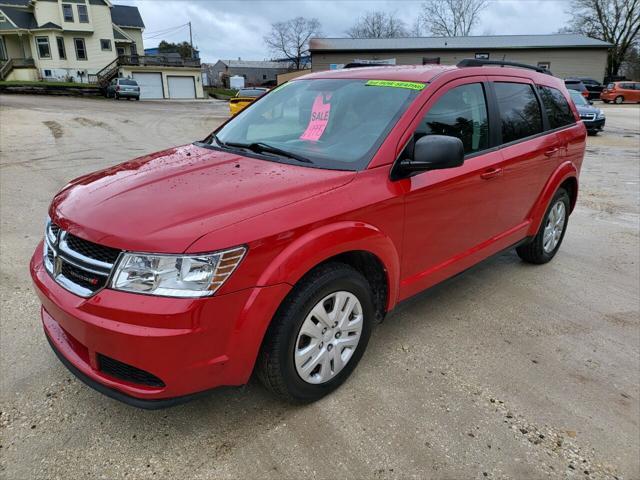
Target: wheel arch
565	176
360	245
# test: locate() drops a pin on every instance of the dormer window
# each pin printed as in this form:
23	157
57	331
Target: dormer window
83	14
67	12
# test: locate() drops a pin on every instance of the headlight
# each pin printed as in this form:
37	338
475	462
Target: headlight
176	275
600	114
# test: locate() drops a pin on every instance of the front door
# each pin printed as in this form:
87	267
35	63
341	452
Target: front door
454	216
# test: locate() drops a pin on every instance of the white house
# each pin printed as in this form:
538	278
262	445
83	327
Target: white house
88	41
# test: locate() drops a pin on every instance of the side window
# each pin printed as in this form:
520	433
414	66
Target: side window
520	115
462	113
557	107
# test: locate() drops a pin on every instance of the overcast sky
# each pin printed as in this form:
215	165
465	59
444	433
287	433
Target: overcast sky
231	29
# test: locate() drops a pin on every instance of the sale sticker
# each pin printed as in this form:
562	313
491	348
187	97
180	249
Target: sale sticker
319	118
395	84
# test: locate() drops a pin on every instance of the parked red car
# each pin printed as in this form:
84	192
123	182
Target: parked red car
276	244
621	92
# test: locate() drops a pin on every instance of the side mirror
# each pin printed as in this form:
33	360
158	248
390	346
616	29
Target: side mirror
434	152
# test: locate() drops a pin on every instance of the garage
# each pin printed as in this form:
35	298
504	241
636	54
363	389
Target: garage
182	87
150	85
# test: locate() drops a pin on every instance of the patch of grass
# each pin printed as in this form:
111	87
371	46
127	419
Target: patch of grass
220	92
19	83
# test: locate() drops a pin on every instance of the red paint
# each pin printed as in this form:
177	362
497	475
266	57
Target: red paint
423	229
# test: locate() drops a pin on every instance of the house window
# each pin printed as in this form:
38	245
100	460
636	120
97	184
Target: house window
105	44
3	50
47	73
120	50
81	48
134	50
264	77
61	50
83	15
482	56
43	47
67	12
545	65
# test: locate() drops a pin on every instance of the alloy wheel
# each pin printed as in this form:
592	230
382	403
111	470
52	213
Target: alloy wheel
328	337
554	227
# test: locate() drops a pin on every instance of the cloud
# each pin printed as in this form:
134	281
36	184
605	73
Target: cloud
232	29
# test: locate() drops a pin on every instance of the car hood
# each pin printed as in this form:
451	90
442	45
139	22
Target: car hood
587	109
165	201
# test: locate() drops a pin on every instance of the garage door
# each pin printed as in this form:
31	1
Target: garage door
182	87
150	84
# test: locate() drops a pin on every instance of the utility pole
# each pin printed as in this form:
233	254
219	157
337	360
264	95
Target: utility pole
191	40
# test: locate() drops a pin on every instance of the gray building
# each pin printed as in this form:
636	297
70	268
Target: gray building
566	55
255	72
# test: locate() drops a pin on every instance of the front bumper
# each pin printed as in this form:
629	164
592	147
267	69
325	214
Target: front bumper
191	345
594	125
122	94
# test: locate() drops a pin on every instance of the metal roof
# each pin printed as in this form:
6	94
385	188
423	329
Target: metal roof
254	64
21	18
125	16
16	3
457	43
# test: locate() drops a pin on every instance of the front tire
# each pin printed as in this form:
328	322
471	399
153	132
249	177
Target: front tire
547	241
318	335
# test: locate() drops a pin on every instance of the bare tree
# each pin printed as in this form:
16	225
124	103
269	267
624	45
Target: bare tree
451	18
291	38
613	21
378	24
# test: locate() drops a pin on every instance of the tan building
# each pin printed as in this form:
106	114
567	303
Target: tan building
88	41
566	55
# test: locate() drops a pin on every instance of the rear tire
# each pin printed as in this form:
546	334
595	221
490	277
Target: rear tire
605	101
619	99
281	356
547	241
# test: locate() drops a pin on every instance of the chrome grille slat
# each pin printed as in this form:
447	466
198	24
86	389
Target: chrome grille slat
73	268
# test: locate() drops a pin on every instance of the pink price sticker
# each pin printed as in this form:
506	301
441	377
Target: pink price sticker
319	118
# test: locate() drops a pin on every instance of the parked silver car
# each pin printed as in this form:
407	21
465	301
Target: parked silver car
123	88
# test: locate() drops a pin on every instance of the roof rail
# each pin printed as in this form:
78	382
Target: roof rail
358	65
474	62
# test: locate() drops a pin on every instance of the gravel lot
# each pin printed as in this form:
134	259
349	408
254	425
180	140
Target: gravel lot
507	371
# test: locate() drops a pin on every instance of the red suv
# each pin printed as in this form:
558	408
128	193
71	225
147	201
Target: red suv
277	243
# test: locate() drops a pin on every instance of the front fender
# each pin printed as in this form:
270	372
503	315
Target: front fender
564	172
327	241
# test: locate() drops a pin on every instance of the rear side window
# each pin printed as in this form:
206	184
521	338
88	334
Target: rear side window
557	107
462	113
520	115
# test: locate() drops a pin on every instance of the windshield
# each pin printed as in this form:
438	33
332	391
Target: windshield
577	98
250	92
330	123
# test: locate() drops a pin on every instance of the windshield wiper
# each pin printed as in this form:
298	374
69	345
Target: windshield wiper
261	147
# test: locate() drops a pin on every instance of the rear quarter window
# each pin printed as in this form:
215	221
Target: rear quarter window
520	114
557	108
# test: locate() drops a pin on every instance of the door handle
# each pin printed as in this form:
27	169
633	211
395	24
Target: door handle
494	172
551	151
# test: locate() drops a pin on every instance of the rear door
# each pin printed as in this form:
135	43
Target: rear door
530	153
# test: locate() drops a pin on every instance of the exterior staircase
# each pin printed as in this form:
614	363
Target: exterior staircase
108	73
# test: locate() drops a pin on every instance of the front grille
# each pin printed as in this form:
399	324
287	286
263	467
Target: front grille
80	266
82	277
588	116
128	373
92	250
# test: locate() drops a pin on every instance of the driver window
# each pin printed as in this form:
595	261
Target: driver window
462	113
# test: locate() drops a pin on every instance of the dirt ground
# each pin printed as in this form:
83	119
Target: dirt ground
507	371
